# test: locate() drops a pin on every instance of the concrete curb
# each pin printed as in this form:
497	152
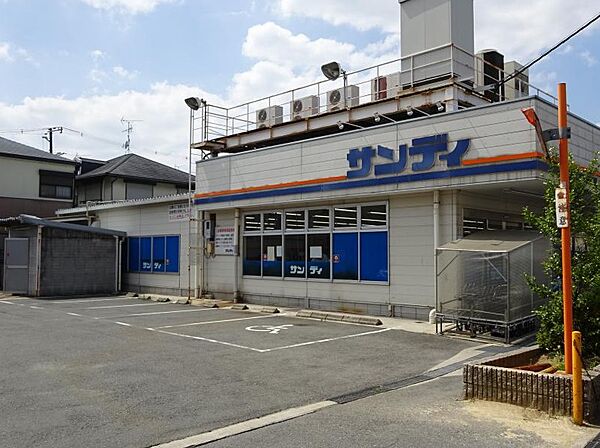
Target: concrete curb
335	317
239	306
269	310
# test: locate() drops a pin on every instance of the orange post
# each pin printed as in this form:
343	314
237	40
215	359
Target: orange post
567	286
577	380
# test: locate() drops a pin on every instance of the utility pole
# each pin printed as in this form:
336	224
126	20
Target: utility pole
48	136
129	130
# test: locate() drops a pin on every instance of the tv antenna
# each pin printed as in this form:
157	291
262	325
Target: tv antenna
129	129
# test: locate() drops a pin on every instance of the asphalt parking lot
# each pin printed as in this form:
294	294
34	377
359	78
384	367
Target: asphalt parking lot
124	372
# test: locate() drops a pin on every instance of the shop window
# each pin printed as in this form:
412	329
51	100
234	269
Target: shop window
318	218
146	254
134	254
345	217
172	254
56	184
158	254
295	220
345	256
373	216
252	256
272	221
319	255
155	254
295	256
252	222
271	256
374	256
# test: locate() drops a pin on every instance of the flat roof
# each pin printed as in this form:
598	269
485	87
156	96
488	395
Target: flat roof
493	241
35	221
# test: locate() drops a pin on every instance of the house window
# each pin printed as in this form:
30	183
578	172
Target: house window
56	185
153	254
138	191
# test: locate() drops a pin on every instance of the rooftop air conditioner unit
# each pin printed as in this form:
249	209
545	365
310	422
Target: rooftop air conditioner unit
335	98
269	116
384	87
304	107
517	87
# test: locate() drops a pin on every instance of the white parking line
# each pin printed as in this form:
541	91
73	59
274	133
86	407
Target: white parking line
122	323
214	341
157	312
87	300
248	425
33	307
216	321
320	341
75	314
7	302
123	306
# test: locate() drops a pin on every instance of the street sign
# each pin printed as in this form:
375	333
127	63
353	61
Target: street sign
562	208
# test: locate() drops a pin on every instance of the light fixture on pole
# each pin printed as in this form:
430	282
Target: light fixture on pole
332	71
378	116
194	104
341	124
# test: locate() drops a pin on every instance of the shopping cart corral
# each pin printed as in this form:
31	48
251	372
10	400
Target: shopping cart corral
482	283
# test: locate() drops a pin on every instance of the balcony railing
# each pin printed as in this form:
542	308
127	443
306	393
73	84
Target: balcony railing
376	83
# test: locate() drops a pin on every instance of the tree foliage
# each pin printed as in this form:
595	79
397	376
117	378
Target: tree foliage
585	228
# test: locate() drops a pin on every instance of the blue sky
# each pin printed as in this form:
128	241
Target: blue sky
84	64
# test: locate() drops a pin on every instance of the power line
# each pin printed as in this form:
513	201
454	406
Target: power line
546	53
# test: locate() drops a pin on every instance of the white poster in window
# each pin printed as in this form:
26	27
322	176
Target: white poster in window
270	253
279	252
316	252
179	212
224	240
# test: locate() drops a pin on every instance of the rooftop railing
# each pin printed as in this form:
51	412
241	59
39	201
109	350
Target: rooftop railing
376	83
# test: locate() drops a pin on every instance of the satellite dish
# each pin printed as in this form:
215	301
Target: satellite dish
331	70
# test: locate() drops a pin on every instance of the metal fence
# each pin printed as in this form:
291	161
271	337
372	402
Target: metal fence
371	84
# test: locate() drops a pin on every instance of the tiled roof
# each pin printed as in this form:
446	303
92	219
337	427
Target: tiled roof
11	148
132	166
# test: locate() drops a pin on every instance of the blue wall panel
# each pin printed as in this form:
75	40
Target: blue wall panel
345	256
374	256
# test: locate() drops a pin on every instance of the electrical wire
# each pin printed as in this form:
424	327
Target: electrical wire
547	52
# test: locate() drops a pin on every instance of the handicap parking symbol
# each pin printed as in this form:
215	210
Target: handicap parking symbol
271	329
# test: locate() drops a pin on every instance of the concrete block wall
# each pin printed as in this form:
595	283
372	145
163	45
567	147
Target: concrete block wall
74	263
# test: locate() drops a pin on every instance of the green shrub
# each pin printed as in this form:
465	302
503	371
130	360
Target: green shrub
585	228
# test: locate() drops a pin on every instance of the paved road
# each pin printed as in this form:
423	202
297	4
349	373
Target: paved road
88	379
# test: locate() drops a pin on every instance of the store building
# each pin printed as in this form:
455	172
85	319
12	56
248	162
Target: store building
338	197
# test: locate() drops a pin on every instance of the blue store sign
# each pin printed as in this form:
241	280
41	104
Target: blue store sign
421	155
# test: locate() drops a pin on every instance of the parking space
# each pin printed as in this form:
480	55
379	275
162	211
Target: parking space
127	372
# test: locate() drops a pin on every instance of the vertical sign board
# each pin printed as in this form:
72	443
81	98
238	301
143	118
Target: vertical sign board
179	212
562	218
224	240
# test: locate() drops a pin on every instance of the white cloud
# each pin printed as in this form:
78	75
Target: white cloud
124	73
126	6
360	14
162	135
5	53
286	60
518	29
97	55
589	59
97	75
